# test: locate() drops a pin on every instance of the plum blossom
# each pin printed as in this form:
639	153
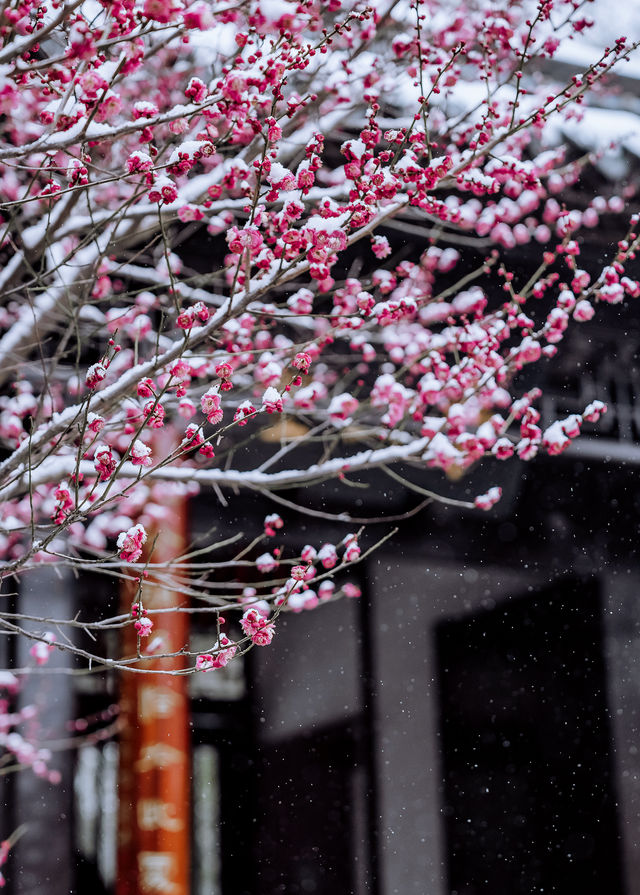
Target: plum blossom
351	548
210	403
302	362
225	652
489	499
130	543
164	190
326	590
342	408
380	246
257	628
95	374
146	388
140	454
143	626
42	649
555	439
266	563
351	590
503	448
272	522
243	411
193	436
583	311
328	556
272	400
204	662
593	411
105	461
308	553
154	413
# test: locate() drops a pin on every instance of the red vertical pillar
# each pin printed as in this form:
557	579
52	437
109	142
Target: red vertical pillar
154	778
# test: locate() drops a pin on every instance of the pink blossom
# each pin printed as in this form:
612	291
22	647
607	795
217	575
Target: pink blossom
225	652
186	318
146	388
272	400
95	374
201	311
40	651
198	16
266	563
309	599
280	178
571	425
296	602
272	522
503	449
163	190
593	411
162	11
249	238
144	109
95	423
308	554
342	407
326	590
486	501
154	413
196	90
193	436
210	403
631	287
328	556
130	543
554	439
302	362
9	682
190	213
204	662
351	590
380	246
224	370
583	311
139	162
109	107
352	550
143	626
105	461
244	410
186	408
527	448
257	627
301	302
264	635
140	454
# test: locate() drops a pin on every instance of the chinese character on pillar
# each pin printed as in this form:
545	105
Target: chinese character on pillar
154	774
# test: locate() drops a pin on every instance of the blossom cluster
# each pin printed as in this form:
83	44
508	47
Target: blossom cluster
205	286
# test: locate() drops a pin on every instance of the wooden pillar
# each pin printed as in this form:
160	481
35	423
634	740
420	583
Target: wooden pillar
154	773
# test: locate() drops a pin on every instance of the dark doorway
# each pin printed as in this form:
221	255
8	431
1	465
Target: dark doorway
309	804
529	804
